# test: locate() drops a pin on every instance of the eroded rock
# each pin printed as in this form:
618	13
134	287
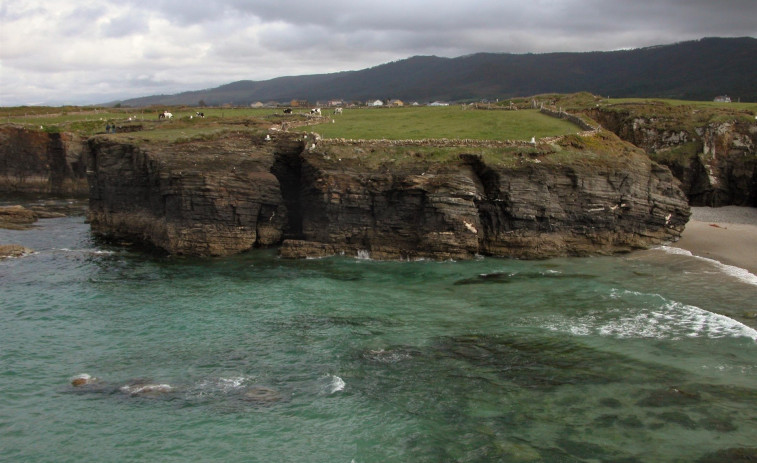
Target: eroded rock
13	250
581	195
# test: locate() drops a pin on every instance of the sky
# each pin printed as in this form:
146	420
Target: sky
57	52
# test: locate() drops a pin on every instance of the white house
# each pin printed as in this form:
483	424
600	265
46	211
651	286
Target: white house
376	103
722	99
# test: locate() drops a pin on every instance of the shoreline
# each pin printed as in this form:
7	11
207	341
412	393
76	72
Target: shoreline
727	235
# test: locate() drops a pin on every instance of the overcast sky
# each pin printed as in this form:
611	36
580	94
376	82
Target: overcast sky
93	51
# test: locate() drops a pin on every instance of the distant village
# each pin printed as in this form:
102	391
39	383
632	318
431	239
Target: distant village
343	104
391	103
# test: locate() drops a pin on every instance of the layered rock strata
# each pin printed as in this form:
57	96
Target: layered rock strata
34	161
577	196
214	197
715	160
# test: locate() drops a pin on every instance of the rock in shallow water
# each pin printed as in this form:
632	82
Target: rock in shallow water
262	395
13	250
146	389
83	380
16	217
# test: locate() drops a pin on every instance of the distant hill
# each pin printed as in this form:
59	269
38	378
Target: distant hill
694	70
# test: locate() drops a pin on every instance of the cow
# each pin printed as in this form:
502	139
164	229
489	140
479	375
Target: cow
338	111
165	115
288	111
199	114
315	112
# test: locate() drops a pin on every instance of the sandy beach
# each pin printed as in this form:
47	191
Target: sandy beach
726	234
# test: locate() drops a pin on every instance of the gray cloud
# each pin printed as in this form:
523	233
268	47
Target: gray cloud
98	50
124	26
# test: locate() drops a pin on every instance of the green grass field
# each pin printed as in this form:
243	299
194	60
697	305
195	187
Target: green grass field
357	123
441	122
451	122
694	104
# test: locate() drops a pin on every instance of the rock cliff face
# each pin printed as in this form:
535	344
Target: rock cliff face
214	197
227	195
716	162
535	206
40	162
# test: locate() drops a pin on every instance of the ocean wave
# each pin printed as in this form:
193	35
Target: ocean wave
330	384
146	389
666	320
217	386
737	272
222	384
91	251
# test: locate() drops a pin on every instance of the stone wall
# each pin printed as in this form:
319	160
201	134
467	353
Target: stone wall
560	114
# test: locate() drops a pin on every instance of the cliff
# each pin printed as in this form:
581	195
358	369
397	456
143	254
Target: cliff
209	197
712	152
575	195
34	161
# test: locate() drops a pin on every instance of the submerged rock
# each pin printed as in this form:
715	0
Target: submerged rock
146	389
672	396
732	455
499	277
262	395
84	380
13	250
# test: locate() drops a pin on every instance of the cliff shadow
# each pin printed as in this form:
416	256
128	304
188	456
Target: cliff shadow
287	168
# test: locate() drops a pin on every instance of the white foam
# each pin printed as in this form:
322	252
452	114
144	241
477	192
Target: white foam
97	252
224	385
737	272
135	389
331	384
363	254
386	356
102	253
669	320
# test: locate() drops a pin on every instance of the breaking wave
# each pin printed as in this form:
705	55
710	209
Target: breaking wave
737	272
667	320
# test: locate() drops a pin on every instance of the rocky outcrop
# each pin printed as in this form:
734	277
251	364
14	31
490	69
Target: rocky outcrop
713	155
209	197
13	250
34	161
16	217
531	207
577	196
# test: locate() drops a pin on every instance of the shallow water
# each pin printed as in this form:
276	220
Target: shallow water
650	356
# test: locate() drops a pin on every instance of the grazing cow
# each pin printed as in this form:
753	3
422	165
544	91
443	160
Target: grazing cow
165	115
288	111
338	111
199	114
315	112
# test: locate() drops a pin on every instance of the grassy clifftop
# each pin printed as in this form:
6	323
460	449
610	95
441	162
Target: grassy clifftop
359	123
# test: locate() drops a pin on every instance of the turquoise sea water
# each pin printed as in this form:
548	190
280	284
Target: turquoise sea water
638	358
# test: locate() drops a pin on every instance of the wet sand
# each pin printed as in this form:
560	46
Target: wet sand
726	234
